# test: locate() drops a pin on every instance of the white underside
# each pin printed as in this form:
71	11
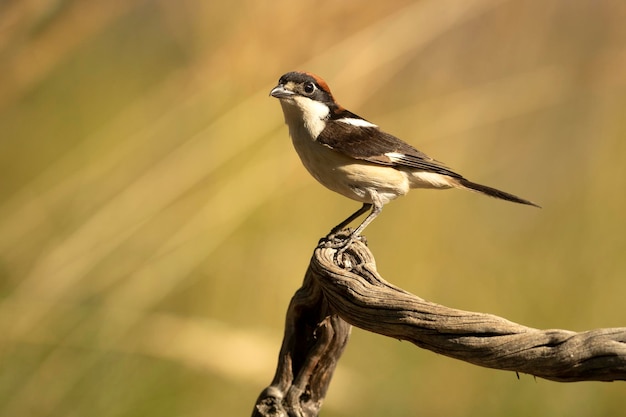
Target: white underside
354	179
359	180
423	179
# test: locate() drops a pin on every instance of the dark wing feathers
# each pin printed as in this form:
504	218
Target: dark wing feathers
371	144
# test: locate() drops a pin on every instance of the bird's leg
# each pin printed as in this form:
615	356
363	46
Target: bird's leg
376	206
350	219
376	210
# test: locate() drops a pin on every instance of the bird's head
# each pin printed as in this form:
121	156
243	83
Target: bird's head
305	98
299	86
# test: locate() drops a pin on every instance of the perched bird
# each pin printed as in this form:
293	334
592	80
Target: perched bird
353	157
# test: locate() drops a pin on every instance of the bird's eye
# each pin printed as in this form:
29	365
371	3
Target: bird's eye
309	88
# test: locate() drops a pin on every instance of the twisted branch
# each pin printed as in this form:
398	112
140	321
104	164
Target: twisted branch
347	288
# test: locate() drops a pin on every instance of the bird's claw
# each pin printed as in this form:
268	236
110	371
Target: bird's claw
341	241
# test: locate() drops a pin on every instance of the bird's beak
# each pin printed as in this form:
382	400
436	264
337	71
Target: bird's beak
281	92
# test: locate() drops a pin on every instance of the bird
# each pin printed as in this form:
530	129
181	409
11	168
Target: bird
354	157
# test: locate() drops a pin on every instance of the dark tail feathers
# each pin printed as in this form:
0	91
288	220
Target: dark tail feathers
492	192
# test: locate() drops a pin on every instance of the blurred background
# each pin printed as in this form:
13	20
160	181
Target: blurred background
155	220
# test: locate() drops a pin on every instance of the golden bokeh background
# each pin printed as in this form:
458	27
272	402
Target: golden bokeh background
155	220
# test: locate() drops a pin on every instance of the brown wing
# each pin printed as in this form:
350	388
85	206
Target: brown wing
370	144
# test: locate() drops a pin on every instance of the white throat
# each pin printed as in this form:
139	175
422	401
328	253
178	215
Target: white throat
302	109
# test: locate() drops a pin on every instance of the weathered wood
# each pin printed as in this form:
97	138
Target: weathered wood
312	344
344	285
363	298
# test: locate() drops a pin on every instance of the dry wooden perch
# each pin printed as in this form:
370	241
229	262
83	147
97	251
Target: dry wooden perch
336	292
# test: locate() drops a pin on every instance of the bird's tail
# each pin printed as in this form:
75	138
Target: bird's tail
492	192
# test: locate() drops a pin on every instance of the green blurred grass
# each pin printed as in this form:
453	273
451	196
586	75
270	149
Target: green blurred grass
154	220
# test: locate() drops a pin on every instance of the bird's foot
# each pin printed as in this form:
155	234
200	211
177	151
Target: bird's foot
341	240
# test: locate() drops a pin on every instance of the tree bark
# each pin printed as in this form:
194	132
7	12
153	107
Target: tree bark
342	286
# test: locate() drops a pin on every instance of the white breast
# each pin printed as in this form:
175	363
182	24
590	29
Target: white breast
347	176
355	179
